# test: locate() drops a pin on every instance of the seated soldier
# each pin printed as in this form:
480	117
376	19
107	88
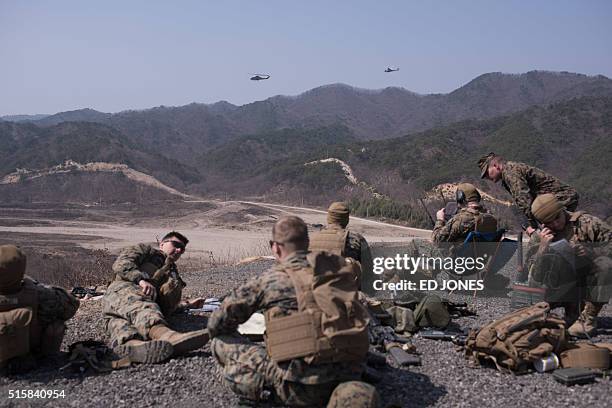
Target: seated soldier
148	289
472	216
337	239
298	366
589	241
32	315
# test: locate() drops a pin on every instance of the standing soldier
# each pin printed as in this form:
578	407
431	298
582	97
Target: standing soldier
337	239
146	290
300	364
32	316
472	216
524	183
590	241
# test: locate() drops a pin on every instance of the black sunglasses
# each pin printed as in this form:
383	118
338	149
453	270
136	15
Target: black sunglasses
177	244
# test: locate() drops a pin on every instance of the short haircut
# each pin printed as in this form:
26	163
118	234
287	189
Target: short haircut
292	232
177	235
497	160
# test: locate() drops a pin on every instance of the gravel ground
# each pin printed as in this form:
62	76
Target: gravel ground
444	379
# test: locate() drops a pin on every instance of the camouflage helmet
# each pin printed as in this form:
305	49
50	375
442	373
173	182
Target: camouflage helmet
338	213
354	394
546	208
12	267
483	163
467	192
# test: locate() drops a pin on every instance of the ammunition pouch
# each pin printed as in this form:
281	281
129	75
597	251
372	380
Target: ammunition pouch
585	355
14	334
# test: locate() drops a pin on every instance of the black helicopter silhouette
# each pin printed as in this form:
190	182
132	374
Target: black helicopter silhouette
391	69
259	77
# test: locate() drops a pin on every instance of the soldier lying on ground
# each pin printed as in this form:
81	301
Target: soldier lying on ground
302	371
525	183
148	289
32	315
590	241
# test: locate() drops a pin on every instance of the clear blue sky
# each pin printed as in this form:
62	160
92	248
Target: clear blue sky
116	55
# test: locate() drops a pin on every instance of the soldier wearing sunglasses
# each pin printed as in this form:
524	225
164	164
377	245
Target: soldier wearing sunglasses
148	289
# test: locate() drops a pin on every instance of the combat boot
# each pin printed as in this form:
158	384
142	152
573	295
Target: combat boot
146	352
182	342
586	325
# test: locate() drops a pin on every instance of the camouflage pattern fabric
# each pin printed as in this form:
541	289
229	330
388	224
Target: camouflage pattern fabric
525	183
246	366
354	394
128	313
458	227
356	247
54	303
582	228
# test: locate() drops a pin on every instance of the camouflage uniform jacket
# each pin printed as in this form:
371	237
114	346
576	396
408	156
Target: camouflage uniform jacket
458	227
53	303
274	289
139	262
585	228
525	183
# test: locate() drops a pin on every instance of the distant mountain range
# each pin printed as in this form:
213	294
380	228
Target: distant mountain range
397	141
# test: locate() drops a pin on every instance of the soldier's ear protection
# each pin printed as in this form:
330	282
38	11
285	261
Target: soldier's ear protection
460	197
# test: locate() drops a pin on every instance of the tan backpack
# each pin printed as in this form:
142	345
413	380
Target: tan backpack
331	325
518	339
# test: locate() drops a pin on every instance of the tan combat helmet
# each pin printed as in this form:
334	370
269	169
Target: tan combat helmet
484	162
546	208
338	213
467	192
12	268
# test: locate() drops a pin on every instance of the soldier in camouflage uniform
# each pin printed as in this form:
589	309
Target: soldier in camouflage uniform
524	183
592	262
337	239
32	315
247	367
146	290
469	217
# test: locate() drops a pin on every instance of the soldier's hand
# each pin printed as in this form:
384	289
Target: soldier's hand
546	237
581	250
196	303
148	289
440	214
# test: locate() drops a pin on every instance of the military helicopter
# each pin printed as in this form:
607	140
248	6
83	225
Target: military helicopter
259	77
391	69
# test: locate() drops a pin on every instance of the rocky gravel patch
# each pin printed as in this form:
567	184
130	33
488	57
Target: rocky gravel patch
443	380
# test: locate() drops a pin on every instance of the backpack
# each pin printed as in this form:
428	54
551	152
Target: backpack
331	325
14	334
431	312
518	339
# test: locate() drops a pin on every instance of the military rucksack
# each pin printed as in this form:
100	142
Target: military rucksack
518	339
14	334
431	312
331	325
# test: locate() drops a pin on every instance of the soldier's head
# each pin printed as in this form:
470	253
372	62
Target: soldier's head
12	268
173	244
549	212
289	234
354	394
338	214
491	166
467	193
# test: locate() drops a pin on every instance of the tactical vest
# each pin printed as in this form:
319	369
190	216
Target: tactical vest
329	239
20	330
331	325
169	288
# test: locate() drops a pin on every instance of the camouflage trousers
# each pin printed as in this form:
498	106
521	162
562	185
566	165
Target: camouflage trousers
128	313
251	374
